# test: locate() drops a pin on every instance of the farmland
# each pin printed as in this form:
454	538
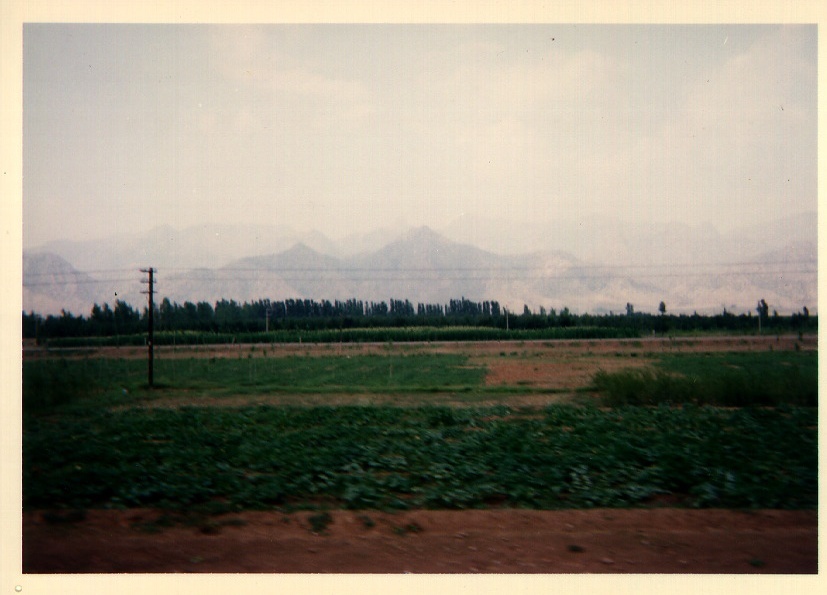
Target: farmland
387	430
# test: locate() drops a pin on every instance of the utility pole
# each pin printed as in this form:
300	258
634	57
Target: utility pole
150	291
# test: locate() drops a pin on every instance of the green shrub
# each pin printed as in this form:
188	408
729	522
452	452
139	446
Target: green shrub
733	380
641	387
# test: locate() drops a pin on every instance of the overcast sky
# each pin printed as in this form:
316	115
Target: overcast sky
344	128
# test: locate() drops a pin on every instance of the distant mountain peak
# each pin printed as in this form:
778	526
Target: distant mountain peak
597	264
300	248
46	263
301	252
298	256
424	234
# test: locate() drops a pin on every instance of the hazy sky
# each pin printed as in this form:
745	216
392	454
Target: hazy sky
345	128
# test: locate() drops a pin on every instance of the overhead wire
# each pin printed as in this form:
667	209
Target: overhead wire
385	274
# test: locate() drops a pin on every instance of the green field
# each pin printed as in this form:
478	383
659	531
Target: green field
724	379
89	381
91	441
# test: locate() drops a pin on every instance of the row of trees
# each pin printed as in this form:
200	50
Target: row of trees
233	317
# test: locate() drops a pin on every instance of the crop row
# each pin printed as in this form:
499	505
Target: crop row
436	457
352	335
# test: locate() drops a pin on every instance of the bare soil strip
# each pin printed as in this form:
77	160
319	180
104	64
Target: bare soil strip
473	541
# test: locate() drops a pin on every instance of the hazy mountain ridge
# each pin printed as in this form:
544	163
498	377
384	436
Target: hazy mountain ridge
205	246
51	284
618	241
423	265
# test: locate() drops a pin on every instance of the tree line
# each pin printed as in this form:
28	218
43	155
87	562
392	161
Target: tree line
230	316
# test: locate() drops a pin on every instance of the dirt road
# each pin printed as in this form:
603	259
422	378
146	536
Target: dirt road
661	540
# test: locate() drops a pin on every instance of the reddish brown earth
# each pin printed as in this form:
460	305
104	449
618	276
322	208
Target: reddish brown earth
660	540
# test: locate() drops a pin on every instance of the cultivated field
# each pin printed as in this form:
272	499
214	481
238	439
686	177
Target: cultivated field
650	455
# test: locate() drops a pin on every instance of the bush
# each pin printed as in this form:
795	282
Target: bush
755	383
643	387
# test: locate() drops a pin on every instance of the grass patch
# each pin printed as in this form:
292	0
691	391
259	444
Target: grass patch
53	383
324	374
728	380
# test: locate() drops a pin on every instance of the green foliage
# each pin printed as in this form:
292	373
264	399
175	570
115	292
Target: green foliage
51	383
437	457
311	320
729	380
79	454
297	374
638	387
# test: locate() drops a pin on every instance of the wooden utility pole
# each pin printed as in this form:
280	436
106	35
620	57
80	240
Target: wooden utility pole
151	340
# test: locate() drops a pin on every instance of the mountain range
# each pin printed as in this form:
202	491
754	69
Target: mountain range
594	266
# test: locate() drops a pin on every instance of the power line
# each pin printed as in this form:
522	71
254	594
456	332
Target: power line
507	277
504	273
402	277
78	281
681	265
78	272
507	267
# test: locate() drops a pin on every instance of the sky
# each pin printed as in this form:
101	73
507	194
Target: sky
346	128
